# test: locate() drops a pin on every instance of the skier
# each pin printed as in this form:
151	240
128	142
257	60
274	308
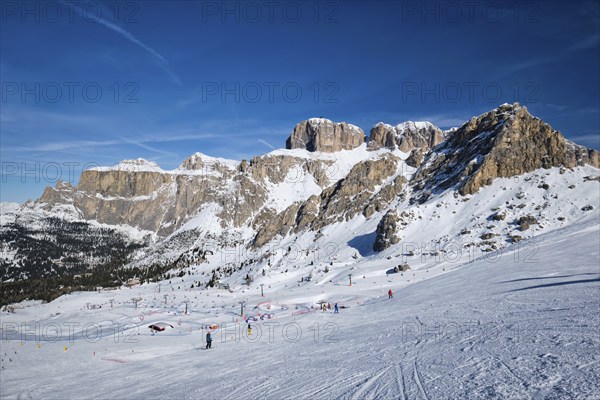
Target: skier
390	294
336	309
208	340
249	328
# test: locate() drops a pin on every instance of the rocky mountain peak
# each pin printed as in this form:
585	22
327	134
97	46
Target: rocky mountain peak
504	142
138	161
193	162
320	134
405	136
201	162
510	108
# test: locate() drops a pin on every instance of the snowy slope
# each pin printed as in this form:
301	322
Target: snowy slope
521	326
442	233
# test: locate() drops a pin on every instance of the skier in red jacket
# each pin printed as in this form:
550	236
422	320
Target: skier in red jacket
390	294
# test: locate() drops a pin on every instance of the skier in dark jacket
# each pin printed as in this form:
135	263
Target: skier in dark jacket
336	309
208	340
390	294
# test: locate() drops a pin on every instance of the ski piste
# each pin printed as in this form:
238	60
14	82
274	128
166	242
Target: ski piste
504	323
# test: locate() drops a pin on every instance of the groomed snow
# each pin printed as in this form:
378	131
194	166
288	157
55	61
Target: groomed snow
522	326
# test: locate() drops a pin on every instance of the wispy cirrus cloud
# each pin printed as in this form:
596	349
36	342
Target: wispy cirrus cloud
587	43
65	145
162	153
161	61
558	107
269	145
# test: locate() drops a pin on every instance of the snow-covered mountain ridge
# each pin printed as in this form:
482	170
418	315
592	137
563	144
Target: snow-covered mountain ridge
502	177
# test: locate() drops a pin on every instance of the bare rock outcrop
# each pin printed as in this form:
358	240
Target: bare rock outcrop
415	158
320	134
139	193
405	136
353	195
386	233
504	142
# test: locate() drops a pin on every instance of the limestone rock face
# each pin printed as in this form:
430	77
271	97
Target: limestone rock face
62	193
349	197
405	136
415	158
386	196
140	194
320	134
504	142
206	165
279	224
386	235
580	155
382	135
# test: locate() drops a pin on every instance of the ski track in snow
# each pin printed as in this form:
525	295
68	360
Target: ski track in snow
400	381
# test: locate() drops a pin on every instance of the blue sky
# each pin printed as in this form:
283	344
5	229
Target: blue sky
92	83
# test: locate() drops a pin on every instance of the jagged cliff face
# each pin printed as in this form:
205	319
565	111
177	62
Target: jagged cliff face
290	192
406	136
319	134
387	232
353	195
505	142
140	194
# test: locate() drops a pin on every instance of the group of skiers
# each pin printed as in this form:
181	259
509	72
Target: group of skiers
327	306
324	307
